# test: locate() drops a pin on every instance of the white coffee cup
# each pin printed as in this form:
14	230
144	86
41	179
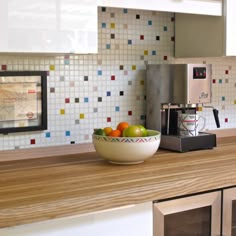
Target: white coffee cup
188	124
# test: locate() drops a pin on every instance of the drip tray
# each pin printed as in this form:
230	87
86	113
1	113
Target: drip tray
188	143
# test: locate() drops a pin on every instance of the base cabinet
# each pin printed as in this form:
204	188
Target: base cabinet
197	215
135	220
229	212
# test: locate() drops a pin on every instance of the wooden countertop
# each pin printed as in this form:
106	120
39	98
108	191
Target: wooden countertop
46	188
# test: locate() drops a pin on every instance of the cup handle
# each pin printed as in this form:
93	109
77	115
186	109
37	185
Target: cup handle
204	123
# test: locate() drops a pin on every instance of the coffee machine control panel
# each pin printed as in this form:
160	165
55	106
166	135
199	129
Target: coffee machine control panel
199	72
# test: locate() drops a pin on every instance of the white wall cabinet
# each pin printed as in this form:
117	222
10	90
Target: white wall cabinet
48	26
206	7
126	221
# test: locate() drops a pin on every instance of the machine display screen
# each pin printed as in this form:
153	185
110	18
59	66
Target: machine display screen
199	73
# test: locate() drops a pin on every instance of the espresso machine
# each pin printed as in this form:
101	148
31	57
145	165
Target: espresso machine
174	89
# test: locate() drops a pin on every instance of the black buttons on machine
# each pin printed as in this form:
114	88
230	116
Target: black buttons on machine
199	72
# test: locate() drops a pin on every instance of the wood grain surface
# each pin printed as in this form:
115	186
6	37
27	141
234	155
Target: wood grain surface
39	189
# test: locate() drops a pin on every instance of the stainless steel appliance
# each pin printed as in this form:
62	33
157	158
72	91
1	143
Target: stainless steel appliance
173	89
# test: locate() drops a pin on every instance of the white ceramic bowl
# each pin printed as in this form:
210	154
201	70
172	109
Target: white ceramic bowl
127	150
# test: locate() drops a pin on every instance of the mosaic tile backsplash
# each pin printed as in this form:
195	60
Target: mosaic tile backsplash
98	90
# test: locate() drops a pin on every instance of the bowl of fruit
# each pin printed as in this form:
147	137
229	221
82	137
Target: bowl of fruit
126	144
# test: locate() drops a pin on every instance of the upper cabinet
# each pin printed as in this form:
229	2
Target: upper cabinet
206	36
48	26
230	29
206	7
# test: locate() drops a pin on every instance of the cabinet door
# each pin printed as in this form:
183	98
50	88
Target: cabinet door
206	7
189	216
229	7
48	26
229	212
134	220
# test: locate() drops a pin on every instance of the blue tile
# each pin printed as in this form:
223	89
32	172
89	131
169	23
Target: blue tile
86	99
154	53
47	134
108	93
108	46
149	22
104	25
117	108
67	133
99	72
129	41
125	11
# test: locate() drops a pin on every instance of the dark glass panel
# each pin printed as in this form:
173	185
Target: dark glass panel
233	218
194	222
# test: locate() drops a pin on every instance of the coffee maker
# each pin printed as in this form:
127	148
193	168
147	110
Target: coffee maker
175	89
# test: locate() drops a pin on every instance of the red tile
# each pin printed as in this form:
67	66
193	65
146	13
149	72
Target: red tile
226	72
67	100
32	141
129	113
226	120
141	37
113	77
4	67
108	119
165	58
213	81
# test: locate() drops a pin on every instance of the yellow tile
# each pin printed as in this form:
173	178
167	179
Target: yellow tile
133	67
113	25
52	67
199	108
81	116
234	101
62	111
146	52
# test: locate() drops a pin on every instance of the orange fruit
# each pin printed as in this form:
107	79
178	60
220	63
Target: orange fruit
115	133
122	125
133	131
107	130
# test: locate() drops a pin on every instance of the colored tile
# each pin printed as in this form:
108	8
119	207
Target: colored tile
82	116
220	81
108	46
154	53
108	119
226	72
52	67
113	25
129	41
149	22
223	98
4	67
141	37
133	67
125	11
32	141
165	58
67	133
104	25
67	100
99	72
113	77
48	135
62	112
145	52
117	108
213	81
86	99
108	93
129	113
226	120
